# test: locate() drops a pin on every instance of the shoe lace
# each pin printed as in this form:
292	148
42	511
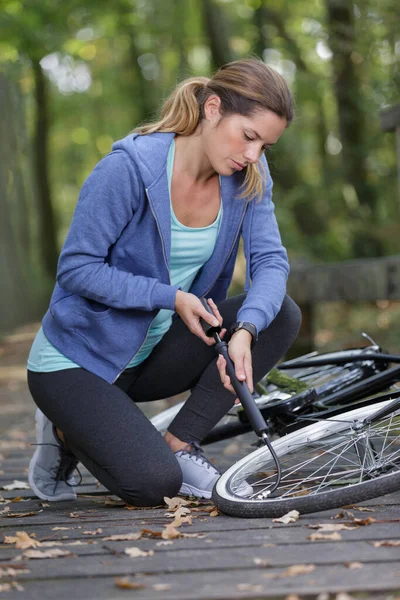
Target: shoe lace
194	449
66	465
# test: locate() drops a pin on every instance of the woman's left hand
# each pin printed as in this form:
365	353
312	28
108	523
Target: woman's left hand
239	349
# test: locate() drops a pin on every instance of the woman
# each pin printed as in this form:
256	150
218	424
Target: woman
157	227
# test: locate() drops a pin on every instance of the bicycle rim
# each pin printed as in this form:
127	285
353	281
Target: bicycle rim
324	465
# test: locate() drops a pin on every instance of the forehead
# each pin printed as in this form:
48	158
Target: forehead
263	122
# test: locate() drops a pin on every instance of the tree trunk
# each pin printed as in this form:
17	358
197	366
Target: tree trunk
351	115
215	27
47	221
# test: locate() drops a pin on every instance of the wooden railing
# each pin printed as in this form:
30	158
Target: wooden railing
349	281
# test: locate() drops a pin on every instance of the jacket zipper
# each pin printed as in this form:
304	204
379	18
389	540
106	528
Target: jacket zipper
169	278
229	253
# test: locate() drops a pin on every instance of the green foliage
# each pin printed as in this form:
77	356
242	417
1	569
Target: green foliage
110	65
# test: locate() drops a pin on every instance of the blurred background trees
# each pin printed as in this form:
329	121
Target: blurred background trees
75	76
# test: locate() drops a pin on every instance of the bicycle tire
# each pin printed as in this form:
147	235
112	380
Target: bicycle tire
326	434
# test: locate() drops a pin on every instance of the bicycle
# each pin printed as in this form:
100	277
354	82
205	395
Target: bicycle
349	454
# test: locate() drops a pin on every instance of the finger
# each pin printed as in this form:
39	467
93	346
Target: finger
248	368
197	330
237	401
208	317
222	333
215	309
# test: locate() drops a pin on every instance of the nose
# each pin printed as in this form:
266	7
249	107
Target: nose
251	155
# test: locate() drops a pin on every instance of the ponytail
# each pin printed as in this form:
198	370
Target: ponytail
181	112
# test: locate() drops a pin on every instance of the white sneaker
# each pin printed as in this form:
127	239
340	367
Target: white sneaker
199	475
52	464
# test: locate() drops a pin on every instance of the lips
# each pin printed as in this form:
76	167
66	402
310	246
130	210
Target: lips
238	166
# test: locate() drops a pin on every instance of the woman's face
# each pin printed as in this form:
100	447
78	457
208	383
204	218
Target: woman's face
232	142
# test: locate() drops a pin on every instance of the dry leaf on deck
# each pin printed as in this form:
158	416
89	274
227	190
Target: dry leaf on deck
127	583
170	533
249	587
5	510
331	527
95	532
11	571
13	585
332	537
136	552
362	508
174	503
367	521
61	528
353	565
344	596
166	543
21	540
180	512
261	562
214	513
28	514
16	485
291	571
290	517
110	501
161	587
123	537
391	543
54	553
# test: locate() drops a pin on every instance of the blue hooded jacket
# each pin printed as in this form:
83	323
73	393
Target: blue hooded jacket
113	271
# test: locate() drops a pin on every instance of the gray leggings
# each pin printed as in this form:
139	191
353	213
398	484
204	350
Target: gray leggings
111	436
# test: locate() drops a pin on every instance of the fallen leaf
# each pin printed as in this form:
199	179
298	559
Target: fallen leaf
7	587
95	532
331	527
61	528
291	571
344	596
111	501
16	485
164	543
261	562
28	514
344	514
136	552
44	504
11	571
290	517
249	587
123	537
127	583
180	512
22	540
367	521
5	510
333	537
361	508
389	543
170	533
174	503
54	553
151	533
214	513
353	565
161	587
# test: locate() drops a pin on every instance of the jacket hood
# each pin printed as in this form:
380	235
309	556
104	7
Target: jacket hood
148	152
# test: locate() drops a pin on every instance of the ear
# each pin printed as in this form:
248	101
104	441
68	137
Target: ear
212	108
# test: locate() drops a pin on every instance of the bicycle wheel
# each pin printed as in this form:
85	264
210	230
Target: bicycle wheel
325	465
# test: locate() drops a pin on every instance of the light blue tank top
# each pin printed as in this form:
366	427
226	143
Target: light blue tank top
191	247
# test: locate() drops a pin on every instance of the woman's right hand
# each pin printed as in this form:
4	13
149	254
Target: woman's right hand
191	310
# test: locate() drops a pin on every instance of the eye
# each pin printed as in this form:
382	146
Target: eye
247	137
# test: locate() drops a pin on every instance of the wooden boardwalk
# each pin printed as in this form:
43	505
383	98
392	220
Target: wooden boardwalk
219	557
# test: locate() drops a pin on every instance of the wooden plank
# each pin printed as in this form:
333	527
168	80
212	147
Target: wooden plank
350	281
222	585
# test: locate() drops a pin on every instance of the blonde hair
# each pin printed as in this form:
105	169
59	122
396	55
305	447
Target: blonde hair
243	87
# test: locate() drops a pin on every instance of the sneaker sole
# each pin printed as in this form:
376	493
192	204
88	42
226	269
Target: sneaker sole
39	418
189	490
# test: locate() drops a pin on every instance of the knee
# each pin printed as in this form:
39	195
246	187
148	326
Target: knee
290	317
151	488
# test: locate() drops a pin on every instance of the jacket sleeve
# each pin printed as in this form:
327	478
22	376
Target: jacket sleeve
106	204
267	266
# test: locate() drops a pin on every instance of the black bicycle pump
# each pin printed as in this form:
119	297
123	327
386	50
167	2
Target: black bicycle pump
253	413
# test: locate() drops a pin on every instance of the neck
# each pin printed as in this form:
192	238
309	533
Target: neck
190	158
